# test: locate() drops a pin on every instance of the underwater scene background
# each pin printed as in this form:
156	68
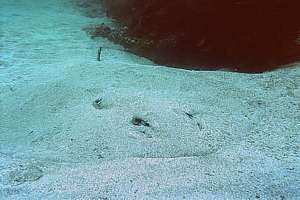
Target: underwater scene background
122	125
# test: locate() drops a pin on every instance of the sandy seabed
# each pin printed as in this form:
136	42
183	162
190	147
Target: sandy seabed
211	135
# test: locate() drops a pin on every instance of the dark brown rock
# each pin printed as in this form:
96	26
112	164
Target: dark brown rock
243	35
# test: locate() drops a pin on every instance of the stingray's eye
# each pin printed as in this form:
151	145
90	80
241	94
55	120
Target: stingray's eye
98	101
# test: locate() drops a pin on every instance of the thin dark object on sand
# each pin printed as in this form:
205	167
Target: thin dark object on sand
191	116
99	54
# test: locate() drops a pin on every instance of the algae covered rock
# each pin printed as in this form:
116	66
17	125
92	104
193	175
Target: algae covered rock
248	36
